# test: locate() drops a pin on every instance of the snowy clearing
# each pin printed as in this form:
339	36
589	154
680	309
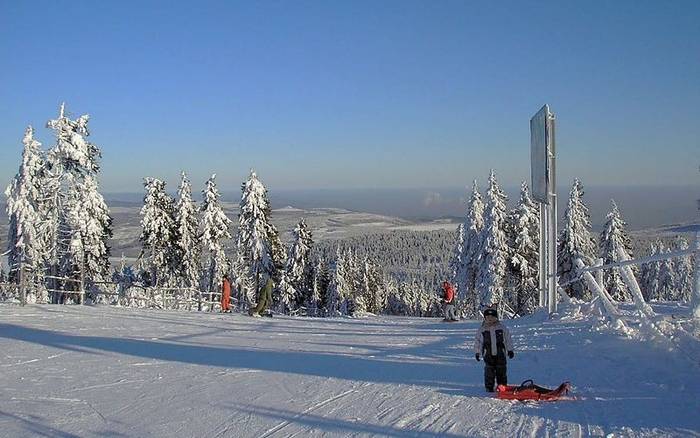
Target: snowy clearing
102	371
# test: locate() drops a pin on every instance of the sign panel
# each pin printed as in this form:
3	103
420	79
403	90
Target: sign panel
539	160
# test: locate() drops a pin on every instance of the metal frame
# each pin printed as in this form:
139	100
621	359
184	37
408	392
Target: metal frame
548	204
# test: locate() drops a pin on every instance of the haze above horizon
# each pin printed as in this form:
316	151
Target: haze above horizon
391	94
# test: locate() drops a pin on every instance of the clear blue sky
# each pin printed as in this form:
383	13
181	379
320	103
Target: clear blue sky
358	93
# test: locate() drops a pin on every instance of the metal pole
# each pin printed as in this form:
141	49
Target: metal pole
552	224
543	255
696	281
552	257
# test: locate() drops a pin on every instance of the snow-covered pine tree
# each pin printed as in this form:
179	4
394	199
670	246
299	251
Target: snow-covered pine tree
575	241
339	287
374	286
88	217
79	238
320	291
259	248
468	296
394	304
613	237
398	300
355	300
457	263
158	234
494	248
650	275
188	241
287	294
242	281
24	196
523	233
77	155
54	219
411	296
424	302
683	268
667	277
299	270
215	231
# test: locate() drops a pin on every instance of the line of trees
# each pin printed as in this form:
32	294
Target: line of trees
59	228
495	258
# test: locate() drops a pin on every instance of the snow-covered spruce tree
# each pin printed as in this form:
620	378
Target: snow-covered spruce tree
456	262
258	244
188	242
650	275
339	288
299	270
374	287
24	246
667	277
80	238
613	237
78	156
683	268
215	231
355	297
319	296
412	296
494	248
523	234
468	295
53	217
242	281
394	303
287	301
575	241
158	234
88	217
398	300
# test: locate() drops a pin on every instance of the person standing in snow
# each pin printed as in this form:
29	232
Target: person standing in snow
264	299
493	343
448	299
226	295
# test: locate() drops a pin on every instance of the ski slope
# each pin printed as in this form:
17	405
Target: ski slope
68	371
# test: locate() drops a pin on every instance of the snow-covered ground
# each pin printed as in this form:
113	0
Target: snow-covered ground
79	371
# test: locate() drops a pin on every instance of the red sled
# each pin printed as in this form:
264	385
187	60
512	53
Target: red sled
529	391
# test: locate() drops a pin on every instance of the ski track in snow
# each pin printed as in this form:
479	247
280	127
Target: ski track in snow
320	404
81	371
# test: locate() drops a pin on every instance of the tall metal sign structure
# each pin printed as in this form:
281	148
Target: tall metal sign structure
543	173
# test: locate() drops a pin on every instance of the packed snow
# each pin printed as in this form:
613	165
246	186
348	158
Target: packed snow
107	371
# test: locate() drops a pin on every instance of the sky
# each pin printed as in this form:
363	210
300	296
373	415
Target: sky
358	94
